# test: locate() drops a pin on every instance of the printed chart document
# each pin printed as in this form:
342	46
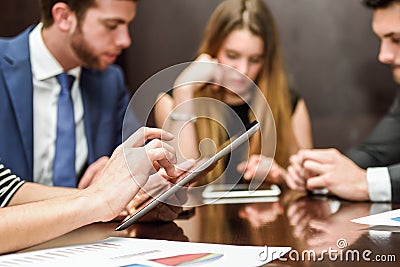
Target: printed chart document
389	218
132	252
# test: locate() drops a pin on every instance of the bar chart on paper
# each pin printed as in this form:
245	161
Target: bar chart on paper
131	252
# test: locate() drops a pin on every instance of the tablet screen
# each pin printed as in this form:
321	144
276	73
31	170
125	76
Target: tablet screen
187	177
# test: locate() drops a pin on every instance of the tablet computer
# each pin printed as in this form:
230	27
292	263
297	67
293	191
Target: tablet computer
224	150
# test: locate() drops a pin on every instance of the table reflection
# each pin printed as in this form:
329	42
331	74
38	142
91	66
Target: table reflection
320	224
303	222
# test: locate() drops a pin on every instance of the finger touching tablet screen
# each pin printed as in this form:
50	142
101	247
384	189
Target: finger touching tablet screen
225	149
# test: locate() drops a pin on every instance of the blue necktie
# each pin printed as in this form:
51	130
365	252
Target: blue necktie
64	159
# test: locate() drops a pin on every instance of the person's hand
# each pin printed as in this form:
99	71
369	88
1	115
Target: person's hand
158	154
127	170
319	227
157	184
202	70
328	168
302	211
259	214
92	172
337	228
167	211
295	177
162	212
261	168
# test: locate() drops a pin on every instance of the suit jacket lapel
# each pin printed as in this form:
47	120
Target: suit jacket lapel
18	79
90	84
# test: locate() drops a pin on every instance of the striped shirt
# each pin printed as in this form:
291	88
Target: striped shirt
9	184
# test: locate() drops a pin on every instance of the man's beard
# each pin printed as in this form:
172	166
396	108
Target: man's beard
85	52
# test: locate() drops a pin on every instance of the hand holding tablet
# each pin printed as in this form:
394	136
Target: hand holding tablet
189	176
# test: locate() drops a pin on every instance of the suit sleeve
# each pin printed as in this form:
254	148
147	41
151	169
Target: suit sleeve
382	147
394	172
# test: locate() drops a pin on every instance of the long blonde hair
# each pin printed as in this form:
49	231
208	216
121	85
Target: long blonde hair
253	15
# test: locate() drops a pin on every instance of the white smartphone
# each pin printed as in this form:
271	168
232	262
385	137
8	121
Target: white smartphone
240	191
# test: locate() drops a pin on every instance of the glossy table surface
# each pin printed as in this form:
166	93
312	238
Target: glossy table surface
318	229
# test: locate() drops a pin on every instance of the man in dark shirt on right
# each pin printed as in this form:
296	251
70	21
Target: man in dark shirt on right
371	171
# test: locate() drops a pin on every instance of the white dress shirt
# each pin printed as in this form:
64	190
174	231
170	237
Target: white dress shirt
379	185
45	97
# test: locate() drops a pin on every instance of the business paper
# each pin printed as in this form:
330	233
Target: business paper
389	218
134	252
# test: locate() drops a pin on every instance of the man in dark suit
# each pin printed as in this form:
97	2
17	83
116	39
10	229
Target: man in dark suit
81	38
371	171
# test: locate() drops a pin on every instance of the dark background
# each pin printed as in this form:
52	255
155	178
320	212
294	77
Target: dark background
329	49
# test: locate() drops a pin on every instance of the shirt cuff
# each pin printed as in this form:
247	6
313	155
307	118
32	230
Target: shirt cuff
379	186
379	208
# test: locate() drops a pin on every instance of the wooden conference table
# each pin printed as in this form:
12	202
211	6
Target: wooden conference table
306	223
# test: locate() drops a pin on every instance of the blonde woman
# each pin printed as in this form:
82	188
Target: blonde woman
240	34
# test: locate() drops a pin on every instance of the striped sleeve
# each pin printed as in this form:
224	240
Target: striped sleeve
9	184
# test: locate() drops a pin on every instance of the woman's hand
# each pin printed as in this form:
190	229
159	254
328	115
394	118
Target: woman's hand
262	169
203	70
